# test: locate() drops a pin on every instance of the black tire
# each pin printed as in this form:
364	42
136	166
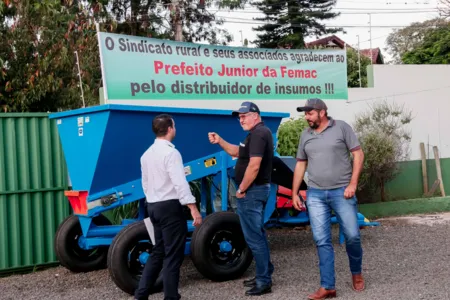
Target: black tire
123	253
68	251
205	253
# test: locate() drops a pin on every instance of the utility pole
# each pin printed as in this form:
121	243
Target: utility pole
79	77
370	36
176	11
359	62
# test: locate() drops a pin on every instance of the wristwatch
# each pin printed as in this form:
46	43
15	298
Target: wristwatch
240	192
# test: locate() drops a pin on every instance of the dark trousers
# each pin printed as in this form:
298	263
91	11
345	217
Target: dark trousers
168	253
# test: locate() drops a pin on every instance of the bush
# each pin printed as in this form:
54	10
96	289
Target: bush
289	136
385	142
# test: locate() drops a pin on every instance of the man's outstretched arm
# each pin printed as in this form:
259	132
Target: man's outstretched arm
231	149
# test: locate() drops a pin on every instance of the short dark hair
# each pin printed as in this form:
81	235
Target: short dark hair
161	124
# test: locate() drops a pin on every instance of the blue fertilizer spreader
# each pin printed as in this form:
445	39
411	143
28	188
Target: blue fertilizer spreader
103	145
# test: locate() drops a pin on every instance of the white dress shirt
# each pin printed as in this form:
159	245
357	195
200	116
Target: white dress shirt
163	175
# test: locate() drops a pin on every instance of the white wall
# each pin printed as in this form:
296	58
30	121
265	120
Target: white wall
425	89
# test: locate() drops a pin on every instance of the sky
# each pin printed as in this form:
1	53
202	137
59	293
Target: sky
385	16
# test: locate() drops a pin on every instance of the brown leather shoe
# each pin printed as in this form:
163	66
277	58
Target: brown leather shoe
322	294
358	282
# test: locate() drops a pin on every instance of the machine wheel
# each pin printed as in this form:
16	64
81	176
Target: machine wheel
68	251
218	248
124	264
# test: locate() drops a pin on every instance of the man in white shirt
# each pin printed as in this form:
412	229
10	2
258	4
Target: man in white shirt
166	190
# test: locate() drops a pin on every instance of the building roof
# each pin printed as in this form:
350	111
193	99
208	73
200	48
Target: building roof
376	58
331	40
334	41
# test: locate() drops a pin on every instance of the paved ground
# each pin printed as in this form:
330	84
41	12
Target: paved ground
406	258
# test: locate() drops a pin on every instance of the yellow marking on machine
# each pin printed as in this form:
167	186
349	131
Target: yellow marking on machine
210	162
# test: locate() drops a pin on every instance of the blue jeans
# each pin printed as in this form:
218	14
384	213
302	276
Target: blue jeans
251	214
320	203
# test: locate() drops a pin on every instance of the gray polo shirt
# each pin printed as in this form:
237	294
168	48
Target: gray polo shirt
328	154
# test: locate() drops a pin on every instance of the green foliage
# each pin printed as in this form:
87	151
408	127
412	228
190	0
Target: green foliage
435	48
409	38
353	68
157	19
39	65
127	211
38	70
385	141
290	21
289	134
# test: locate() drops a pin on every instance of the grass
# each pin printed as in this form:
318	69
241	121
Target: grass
405	207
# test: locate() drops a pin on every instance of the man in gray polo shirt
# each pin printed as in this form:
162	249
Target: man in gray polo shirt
325	151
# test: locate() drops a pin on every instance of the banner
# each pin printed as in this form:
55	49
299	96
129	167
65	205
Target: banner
139	68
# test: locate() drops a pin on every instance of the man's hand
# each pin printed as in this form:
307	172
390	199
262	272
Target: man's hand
296	202
196	216
214	138
240	195
230	149
350	191
358	162
299	172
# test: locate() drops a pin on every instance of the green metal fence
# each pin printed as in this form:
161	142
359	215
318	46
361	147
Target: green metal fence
33	178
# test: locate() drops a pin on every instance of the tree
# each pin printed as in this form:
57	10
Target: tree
444	9
435	48
159	19
406	39
385	141
353	68
291	21
38	70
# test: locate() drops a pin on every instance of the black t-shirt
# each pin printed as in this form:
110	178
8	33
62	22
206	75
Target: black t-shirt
259	142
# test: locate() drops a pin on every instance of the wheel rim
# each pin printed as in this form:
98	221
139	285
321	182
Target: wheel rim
226	248
77	251
135	255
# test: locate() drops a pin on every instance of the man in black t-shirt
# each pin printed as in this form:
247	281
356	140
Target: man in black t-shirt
252	175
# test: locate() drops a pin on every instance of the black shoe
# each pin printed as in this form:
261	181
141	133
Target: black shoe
250	282
259	290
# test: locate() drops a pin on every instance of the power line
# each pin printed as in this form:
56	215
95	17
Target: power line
347	25
346	1
368	40
232	20
367	10
382	9
347	13
378	37
294	25
387	2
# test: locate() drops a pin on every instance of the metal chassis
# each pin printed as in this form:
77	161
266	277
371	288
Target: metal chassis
218	164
